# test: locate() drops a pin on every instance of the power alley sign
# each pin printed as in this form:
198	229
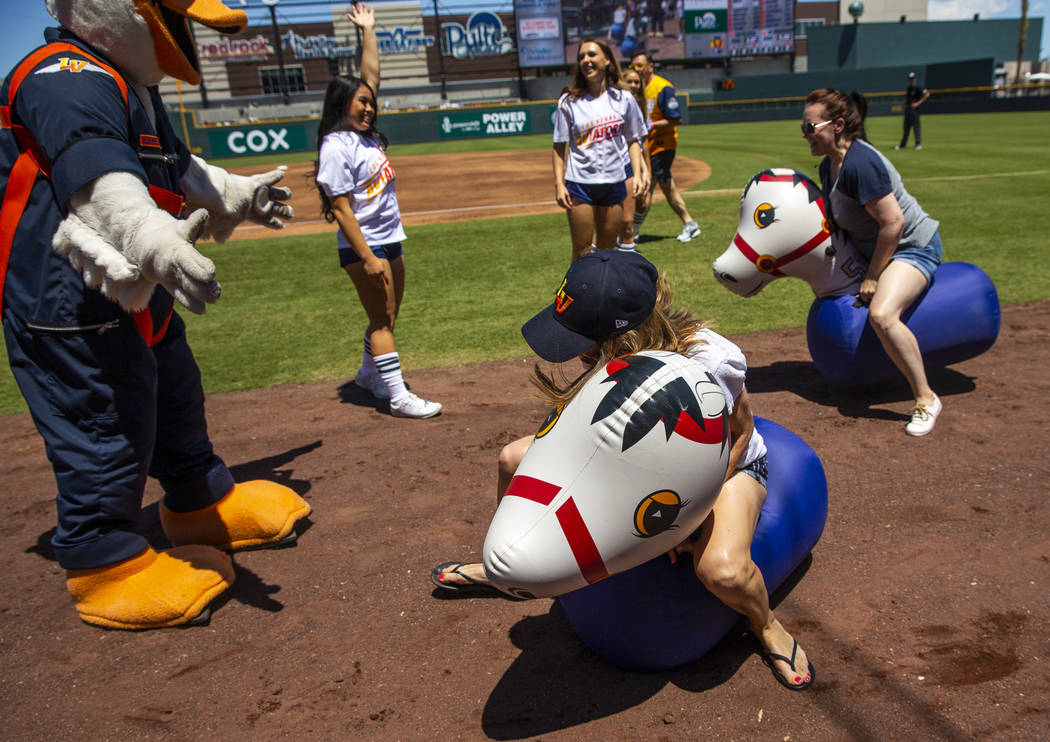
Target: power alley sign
487	124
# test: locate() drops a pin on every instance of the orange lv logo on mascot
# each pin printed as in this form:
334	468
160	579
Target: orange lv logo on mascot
93	256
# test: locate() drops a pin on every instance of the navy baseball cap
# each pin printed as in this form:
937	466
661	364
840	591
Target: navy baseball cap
605	293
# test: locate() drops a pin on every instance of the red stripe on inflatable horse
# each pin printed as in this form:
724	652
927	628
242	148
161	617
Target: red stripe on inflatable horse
530	488
583	547
690	429
579	538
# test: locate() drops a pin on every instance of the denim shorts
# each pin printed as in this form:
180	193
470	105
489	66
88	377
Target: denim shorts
757	470
390	251
926	259
597	194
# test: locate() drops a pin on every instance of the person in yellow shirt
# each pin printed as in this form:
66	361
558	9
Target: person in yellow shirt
665	116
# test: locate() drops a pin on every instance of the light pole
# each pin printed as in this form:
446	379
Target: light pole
283	80
441	61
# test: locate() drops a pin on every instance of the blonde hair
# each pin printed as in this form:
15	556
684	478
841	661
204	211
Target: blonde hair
667	328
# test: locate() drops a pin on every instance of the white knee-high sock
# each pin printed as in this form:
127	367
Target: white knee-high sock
389	367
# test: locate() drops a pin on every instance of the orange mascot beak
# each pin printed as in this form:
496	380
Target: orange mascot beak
169	24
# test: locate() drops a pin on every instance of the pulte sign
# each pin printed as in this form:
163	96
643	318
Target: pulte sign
484	35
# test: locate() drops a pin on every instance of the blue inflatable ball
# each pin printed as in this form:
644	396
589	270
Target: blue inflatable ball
630	47
956	318
616	31
659	615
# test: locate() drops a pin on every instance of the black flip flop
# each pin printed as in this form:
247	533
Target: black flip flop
769	657
473	588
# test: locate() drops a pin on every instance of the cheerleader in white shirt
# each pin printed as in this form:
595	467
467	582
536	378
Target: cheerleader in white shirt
595	121
626	240
356	183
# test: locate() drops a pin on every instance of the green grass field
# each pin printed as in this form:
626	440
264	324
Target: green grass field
289	314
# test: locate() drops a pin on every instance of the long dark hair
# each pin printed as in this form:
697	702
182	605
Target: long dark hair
341	91
578	89
852	108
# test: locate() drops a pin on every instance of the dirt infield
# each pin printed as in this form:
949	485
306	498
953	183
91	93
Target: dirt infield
484	187
923	608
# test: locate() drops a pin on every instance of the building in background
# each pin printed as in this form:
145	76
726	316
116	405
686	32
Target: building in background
483	54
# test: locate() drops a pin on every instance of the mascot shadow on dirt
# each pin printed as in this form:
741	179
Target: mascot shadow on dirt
102	207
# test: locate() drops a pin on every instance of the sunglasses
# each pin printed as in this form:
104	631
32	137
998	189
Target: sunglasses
640	65
810	128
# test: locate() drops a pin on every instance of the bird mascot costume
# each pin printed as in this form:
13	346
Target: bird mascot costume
102	207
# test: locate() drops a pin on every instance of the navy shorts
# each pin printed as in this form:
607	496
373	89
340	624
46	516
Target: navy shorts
597	194
661	163
390	251
628	170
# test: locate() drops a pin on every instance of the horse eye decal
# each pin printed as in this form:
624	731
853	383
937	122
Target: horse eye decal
765	215
552	418
656	513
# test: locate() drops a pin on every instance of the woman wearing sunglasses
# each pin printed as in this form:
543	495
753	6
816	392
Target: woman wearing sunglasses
871	208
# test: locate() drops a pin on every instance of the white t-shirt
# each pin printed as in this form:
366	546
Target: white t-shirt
597	131
626	152
355	165
727	364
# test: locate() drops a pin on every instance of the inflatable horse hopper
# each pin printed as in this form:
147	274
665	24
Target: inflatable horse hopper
785	230
102	209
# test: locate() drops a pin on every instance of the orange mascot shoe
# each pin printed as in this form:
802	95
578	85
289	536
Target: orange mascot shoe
153	589
252	515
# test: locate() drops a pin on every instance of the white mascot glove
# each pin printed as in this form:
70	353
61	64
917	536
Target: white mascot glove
231	199
124	245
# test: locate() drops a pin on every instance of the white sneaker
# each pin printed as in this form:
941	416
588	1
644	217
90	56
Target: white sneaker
413	406
372	383
896	146
924	418
918	146
689	231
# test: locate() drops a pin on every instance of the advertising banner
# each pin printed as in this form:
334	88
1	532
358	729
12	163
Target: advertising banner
541	37
260	139
502	122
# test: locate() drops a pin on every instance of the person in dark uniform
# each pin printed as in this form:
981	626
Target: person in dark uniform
914	97
93	257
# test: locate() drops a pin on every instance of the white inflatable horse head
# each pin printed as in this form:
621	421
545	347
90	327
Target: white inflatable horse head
784	230
626	471
147	39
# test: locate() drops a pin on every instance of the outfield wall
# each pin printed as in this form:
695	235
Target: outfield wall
300	135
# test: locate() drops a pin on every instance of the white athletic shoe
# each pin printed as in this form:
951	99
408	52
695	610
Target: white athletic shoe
918	146
413	406
372	383
689	230
924	418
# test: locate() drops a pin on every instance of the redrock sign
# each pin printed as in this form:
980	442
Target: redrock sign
237	49
484	36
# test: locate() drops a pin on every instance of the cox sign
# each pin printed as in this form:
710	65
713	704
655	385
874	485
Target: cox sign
258	140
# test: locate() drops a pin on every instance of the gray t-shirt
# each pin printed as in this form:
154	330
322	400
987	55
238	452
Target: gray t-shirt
866	175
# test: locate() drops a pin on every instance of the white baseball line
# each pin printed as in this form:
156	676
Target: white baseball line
714	192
